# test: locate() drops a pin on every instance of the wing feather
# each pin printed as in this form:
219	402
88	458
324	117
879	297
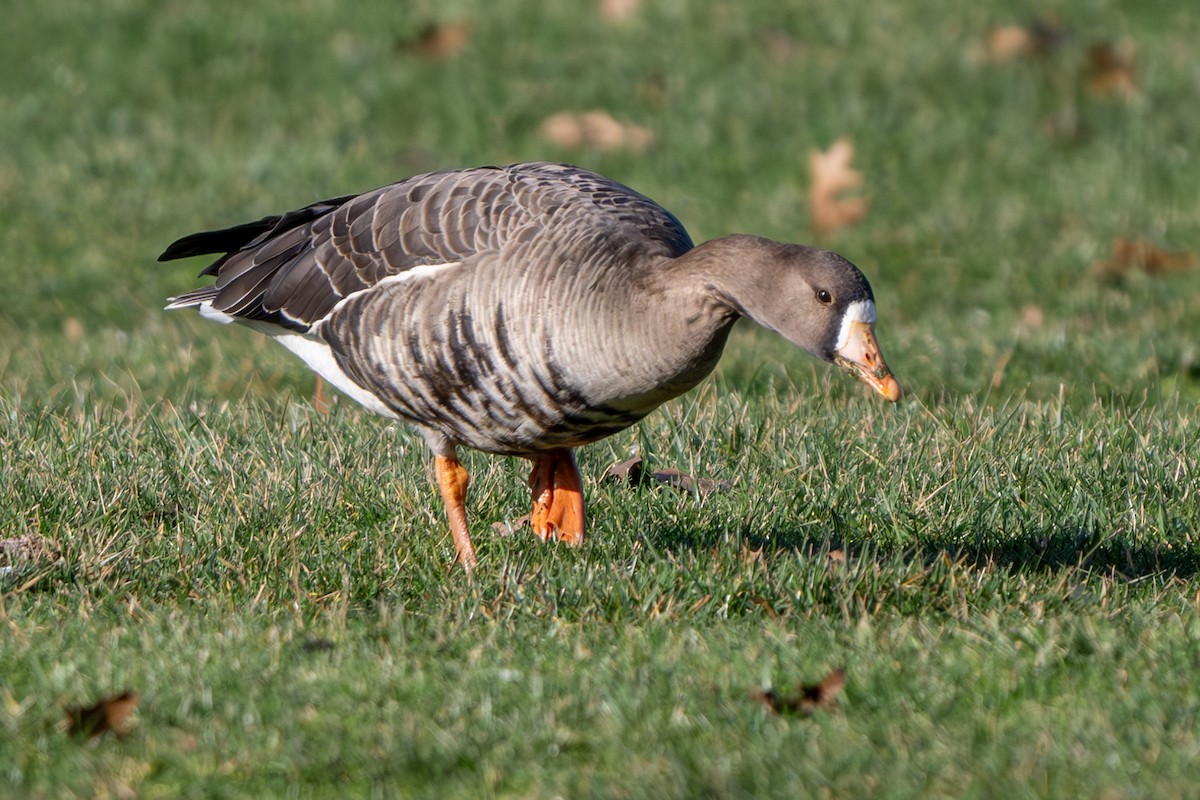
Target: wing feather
292	269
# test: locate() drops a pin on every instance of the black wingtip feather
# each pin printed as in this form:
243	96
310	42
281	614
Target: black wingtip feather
225	240
229	240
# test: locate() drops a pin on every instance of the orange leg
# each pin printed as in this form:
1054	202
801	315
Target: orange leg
320	401
557	497
452	480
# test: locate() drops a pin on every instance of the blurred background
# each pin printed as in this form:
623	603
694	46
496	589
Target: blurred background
1019	180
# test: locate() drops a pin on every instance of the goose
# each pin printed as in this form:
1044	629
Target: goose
521	310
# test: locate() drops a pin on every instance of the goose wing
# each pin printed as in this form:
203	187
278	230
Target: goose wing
291	270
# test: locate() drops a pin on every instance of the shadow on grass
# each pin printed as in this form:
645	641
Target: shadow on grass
1070	547
1065	547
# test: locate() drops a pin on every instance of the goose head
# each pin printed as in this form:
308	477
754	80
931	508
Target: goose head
814	298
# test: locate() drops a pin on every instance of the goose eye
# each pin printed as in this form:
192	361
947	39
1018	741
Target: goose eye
824	296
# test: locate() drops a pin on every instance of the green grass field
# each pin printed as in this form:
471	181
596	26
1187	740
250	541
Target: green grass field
1005	564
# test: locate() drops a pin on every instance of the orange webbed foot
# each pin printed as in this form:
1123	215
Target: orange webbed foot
557	498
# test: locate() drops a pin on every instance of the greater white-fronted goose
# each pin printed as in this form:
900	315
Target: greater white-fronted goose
522	310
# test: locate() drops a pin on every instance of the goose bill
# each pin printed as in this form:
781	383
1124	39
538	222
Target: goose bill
860	357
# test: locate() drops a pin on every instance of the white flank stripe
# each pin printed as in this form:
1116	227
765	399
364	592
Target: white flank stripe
416	273
316	353
858	311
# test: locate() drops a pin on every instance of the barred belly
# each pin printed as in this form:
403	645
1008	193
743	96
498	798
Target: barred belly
487	380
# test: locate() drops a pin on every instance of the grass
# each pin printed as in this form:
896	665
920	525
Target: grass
1005	564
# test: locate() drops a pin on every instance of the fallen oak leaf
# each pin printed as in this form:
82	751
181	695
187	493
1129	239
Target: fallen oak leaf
107	714
831	175
811	698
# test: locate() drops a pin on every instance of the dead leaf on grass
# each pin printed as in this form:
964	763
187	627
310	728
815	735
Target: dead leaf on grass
439	41
626	471
1130	255
831	176
596	130
108	714
810	697
634	473
1110	71
1008	42
1041	37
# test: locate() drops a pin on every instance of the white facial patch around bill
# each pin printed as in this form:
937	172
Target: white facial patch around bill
858	311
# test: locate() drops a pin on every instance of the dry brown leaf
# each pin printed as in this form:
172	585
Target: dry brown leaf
1008	42
625	472
108	714
634	473
1139	254
810	697
765	605
1041	37
831	176
441	41
619	10
1110	71
594	129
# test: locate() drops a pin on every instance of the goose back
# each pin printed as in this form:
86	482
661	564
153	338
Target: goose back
291	270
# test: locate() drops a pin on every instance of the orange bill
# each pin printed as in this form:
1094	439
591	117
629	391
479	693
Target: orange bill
860	356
